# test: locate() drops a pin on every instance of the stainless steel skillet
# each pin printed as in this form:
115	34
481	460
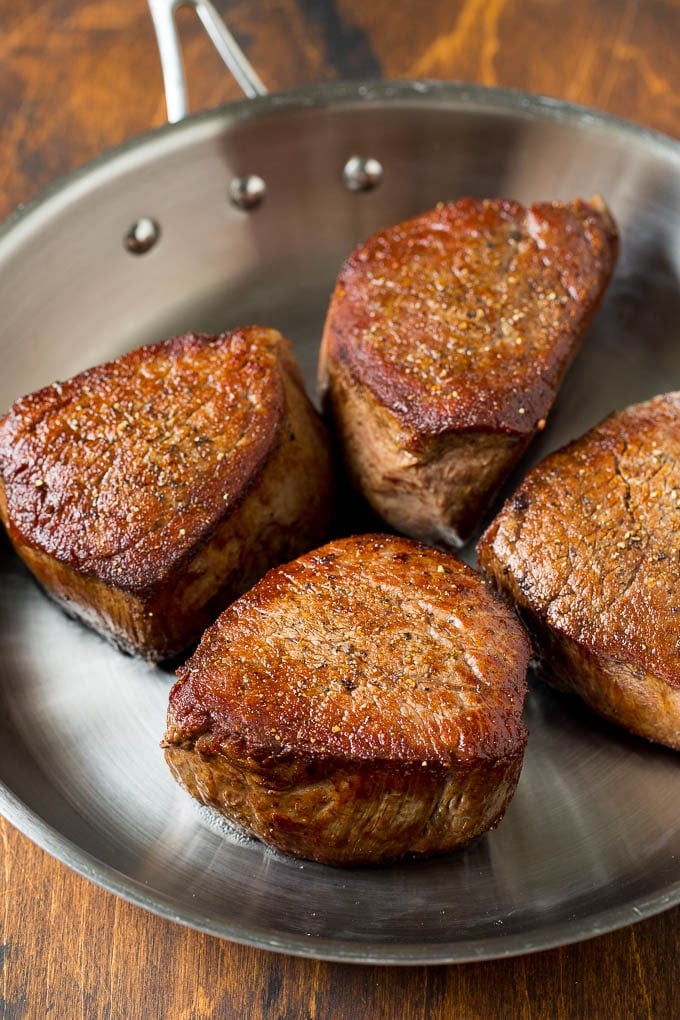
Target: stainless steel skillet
592	839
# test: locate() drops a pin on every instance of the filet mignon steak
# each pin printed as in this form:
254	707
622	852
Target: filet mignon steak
589	550
147	493
445	343
358	704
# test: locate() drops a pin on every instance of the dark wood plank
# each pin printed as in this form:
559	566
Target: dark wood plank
77	77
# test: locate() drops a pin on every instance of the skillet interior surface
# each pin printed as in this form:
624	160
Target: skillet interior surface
592	839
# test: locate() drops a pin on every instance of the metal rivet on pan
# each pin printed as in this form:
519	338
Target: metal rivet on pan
362	173
142	236
247	192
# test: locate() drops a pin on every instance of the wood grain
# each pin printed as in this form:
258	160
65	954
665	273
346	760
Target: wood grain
77	77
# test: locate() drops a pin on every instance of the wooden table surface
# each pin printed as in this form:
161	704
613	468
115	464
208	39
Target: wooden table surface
77	76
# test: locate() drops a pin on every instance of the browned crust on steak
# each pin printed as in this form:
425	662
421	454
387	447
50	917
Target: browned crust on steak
456	325
147	492
360	703
589	549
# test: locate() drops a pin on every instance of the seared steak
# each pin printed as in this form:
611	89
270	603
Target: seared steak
147	493
358	704
589	550
446	341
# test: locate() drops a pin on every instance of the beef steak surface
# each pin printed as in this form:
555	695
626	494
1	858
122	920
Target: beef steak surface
588	548
146	493
360	703
446	340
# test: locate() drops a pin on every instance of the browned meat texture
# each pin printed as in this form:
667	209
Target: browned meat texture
360	703
148	492
589	549
446	341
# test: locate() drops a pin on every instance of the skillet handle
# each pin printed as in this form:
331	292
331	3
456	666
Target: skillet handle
176	99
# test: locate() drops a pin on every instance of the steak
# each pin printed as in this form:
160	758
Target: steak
147	493
358	704
588	548
446	341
